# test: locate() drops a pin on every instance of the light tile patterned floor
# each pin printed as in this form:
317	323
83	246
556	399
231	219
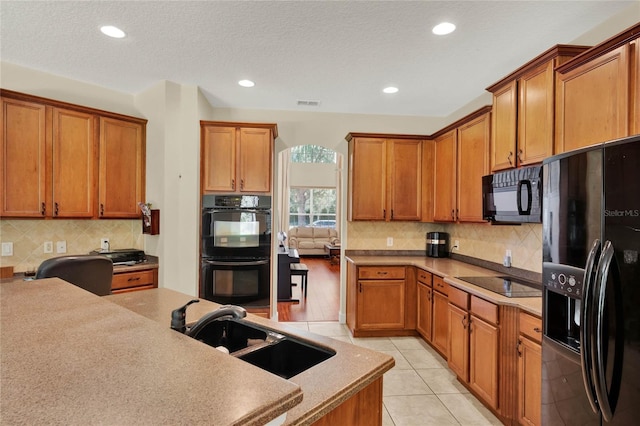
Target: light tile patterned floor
420	390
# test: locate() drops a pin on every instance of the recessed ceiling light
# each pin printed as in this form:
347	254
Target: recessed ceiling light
112	31
390	89
443	28
246	83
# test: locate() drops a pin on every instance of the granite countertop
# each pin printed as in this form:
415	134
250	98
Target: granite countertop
70	357
449	269
324	386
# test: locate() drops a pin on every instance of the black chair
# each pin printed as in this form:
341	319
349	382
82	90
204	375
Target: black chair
90	272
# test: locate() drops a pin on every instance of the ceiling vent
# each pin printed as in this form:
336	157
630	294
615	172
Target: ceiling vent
308	103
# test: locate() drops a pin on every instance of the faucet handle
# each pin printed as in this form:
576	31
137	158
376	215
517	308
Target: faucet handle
178	316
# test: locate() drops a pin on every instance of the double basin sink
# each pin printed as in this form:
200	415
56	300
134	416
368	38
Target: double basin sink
277	353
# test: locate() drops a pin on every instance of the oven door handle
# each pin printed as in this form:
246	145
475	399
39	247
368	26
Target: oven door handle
237	263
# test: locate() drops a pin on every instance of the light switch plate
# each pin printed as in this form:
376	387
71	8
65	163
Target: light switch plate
7	249
61	246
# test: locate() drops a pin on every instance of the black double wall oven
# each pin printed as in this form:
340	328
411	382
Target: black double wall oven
236	249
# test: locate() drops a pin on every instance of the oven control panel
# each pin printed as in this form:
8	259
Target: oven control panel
563	279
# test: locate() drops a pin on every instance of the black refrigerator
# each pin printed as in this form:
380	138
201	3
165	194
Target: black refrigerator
591	277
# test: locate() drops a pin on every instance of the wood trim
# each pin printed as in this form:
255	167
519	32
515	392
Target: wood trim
271	126
60	104
352	135
555	51
464	120
508	365
600	49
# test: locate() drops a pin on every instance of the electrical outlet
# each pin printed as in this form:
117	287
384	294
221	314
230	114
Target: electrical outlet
456	245
389	241
104	244
7	249
61	246
48	246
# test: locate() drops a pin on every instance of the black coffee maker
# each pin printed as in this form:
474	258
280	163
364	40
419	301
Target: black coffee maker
437	244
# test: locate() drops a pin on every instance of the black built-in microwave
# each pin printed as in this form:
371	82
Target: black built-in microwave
513	196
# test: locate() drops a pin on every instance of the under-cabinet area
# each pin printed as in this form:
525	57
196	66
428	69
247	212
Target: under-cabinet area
490	342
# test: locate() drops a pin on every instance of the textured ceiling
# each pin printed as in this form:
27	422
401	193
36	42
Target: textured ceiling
341	53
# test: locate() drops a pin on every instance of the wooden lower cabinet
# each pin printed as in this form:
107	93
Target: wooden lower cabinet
483	360
529	370
458	359
425	311
440	316
364	408
135	280
381	304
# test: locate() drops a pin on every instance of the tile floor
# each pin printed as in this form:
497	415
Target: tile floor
420	390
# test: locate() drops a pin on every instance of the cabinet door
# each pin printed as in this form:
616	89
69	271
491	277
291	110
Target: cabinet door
445	178
74	164
405	179
23	159
535	115
483	360
255	159
218	159
592	101
368	179
440	323
473	163
381	304
425	311
634	113
458	359
503	128
529	382
122	174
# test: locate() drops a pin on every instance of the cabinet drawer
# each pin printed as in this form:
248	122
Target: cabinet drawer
459	298
132	279
440	285
381	272
424	277
485	310
531	326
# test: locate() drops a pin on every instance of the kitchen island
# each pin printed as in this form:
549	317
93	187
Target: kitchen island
70	357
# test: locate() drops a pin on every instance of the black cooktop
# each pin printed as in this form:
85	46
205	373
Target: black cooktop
505	286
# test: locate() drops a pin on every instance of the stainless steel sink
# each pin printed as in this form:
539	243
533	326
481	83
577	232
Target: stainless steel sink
272	351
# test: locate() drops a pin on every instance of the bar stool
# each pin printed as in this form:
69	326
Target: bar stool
301	270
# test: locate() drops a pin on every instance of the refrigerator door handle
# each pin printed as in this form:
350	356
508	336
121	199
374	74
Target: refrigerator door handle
586	326
607	399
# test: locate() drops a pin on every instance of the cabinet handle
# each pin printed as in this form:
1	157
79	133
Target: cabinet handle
382	273
360	288
518	350
233	184
453	214
509	158
241	184
520	155
56	210
384	213
134	279
464	321
537	330
457	216
43	210
101	209
391	214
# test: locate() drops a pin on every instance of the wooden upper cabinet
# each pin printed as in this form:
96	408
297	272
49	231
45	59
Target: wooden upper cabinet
473	163
236	157
503	146
523	111
461	159
74	163
385	178
593	101
122	168
23	159
598	93
444	177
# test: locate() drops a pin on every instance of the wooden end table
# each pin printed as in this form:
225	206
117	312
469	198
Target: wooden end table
333	252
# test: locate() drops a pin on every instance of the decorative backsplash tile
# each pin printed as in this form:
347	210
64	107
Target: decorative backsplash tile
29	235
482	241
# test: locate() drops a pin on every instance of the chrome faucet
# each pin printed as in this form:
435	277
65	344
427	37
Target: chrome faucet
178	318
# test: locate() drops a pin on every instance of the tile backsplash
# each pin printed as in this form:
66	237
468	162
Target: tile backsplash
29	235
482	241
